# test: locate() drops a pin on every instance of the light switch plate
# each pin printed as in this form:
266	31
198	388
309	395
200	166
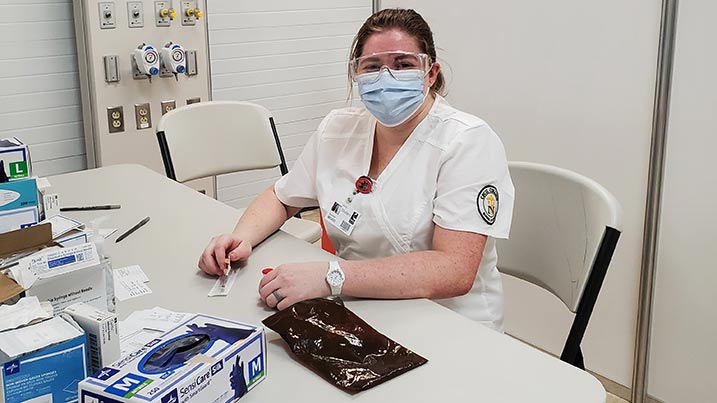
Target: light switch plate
135	14
191	59
111	68
107	15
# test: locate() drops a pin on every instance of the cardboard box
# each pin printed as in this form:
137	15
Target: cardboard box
15	158
42	362
71	275
25	241
102	330
205	359
16	244
18	204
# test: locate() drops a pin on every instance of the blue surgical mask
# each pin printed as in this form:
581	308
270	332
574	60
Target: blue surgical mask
392	96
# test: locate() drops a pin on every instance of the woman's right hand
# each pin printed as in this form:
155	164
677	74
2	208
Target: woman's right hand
213	259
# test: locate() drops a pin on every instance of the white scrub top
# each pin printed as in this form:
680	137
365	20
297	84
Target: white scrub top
451	171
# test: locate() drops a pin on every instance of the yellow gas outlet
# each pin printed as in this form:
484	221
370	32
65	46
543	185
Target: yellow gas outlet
168	13
190	12
164	13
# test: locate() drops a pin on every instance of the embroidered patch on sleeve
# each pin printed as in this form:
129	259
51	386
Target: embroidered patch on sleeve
488	203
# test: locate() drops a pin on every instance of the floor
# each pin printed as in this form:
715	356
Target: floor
314	216
614	399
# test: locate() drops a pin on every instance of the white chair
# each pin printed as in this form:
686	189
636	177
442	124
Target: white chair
564	232
220	137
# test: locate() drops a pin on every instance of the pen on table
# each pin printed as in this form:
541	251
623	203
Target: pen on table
90	208
133	229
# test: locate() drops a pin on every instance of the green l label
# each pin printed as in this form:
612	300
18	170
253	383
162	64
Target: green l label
18	169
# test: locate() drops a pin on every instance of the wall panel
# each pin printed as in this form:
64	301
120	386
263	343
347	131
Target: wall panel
684	327
39	85
287	56
570	84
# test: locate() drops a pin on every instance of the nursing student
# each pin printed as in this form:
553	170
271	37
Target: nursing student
413	192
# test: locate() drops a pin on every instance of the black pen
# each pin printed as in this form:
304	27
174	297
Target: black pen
90	208
133	229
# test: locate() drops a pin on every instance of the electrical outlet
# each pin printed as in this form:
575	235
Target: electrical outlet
143	116
135	14
193	100
115	119
107	15
168	106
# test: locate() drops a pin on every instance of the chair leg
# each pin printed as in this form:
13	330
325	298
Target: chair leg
579	360
575	359
571	352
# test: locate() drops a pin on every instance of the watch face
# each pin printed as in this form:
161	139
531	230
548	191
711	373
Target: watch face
335	278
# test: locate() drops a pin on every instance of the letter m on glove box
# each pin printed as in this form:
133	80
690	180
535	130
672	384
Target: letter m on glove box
128	385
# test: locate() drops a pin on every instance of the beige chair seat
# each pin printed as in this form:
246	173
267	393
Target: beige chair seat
307	230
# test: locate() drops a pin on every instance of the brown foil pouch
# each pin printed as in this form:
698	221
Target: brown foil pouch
339	346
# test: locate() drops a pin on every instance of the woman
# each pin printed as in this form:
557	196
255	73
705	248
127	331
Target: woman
412	191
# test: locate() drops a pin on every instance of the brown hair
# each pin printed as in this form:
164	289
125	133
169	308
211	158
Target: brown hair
408	21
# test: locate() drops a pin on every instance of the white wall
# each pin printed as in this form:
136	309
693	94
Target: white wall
287	56
571	84
683	353
39	85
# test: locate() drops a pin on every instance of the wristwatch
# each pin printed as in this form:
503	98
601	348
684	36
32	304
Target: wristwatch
335	277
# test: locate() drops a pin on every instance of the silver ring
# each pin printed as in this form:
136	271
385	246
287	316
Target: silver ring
278	296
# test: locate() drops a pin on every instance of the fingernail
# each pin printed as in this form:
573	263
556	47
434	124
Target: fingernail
232	256
266	270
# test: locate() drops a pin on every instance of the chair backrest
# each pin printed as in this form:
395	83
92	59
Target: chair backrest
560	220
564	232
218	137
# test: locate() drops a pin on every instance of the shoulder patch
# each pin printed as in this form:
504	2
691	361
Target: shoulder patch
488	203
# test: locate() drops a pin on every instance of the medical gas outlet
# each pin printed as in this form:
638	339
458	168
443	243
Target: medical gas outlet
173	59
146	60
165	13
168	13
190	12
194	12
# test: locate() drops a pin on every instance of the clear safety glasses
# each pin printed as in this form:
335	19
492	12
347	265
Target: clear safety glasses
367	68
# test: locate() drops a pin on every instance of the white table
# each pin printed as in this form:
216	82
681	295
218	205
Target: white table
466	360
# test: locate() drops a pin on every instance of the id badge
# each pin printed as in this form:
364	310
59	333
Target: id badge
342	217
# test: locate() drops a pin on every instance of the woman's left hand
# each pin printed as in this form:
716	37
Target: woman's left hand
294	282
